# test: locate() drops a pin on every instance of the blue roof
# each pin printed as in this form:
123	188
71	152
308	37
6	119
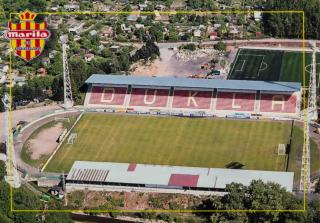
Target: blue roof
183	82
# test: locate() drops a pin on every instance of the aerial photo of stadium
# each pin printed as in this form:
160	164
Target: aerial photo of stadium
198	135
175	111
168	121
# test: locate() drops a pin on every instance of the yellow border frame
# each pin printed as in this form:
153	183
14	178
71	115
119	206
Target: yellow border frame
172	13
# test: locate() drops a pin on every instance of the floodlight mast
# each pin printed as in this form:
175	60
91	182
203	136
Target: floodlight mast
312	115
68	100
12	176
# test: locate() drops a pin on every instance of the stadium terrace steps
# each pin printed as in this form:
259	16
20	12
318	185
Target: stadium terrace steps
236	101
191	99
107	95
147	97
278	103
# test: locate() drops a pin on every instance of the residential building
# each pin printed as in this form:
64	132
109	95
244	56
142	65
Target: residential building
88	57
107	31
72	7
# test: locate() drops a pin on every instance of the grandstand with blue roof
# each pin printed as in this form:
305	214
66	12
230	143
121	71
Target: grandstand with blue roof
174	95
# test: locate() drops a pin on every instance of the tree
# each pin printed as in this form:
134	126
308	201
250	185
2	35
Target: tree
58	218
317	187
242	19
222	30
124	61
4	198
57	88
1	105
313	214
173	35
290	25
150	49
3	170
21	5
23	198
187	36
78	75
75	48
257	196
139	33
127	8
189	46
4	219
25	217
56	66
156	32
221	46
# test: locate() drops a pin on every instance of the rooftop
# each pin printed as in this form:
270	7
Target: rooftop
172	176
194	83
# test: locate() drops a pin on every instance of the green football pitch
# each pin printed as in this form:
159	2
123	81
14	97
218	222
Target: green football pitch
176	141
271	65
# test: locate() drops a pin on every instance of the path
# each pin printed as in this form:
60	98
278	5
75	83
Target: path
28	115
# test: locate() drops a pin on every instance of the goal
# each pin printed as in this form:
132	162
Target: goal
72	138
281	149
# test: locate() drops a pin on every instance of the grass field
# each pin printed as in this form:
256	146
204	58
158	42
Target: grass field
175	141
270	65
295	154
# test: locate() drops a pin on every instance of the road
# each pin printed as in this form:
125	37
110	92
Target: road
27	115
233	42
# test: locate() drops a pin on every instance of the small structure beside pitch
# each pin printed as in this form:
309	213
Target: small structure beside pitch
173	95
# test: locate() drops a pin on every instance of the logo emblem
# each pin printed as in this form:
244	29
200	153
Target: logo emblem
27	38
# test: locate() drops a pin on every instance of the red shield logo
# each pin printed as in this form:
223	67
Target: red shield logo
27	38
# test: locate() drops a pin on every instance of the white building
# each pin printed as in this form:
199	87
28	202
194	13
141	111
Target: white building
4	70
139	26
257	16
197	33
88	57
76	28
93	32
165	179
72	7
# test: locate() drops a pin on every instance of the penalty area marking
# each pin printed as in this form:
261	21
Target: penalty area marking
260	68
242	65
234	63
308	68
236	59
265	66
248	54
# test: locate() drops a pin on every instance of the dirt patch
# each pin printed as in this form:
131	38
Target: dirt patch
169	65
103	200
133	200
45	142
